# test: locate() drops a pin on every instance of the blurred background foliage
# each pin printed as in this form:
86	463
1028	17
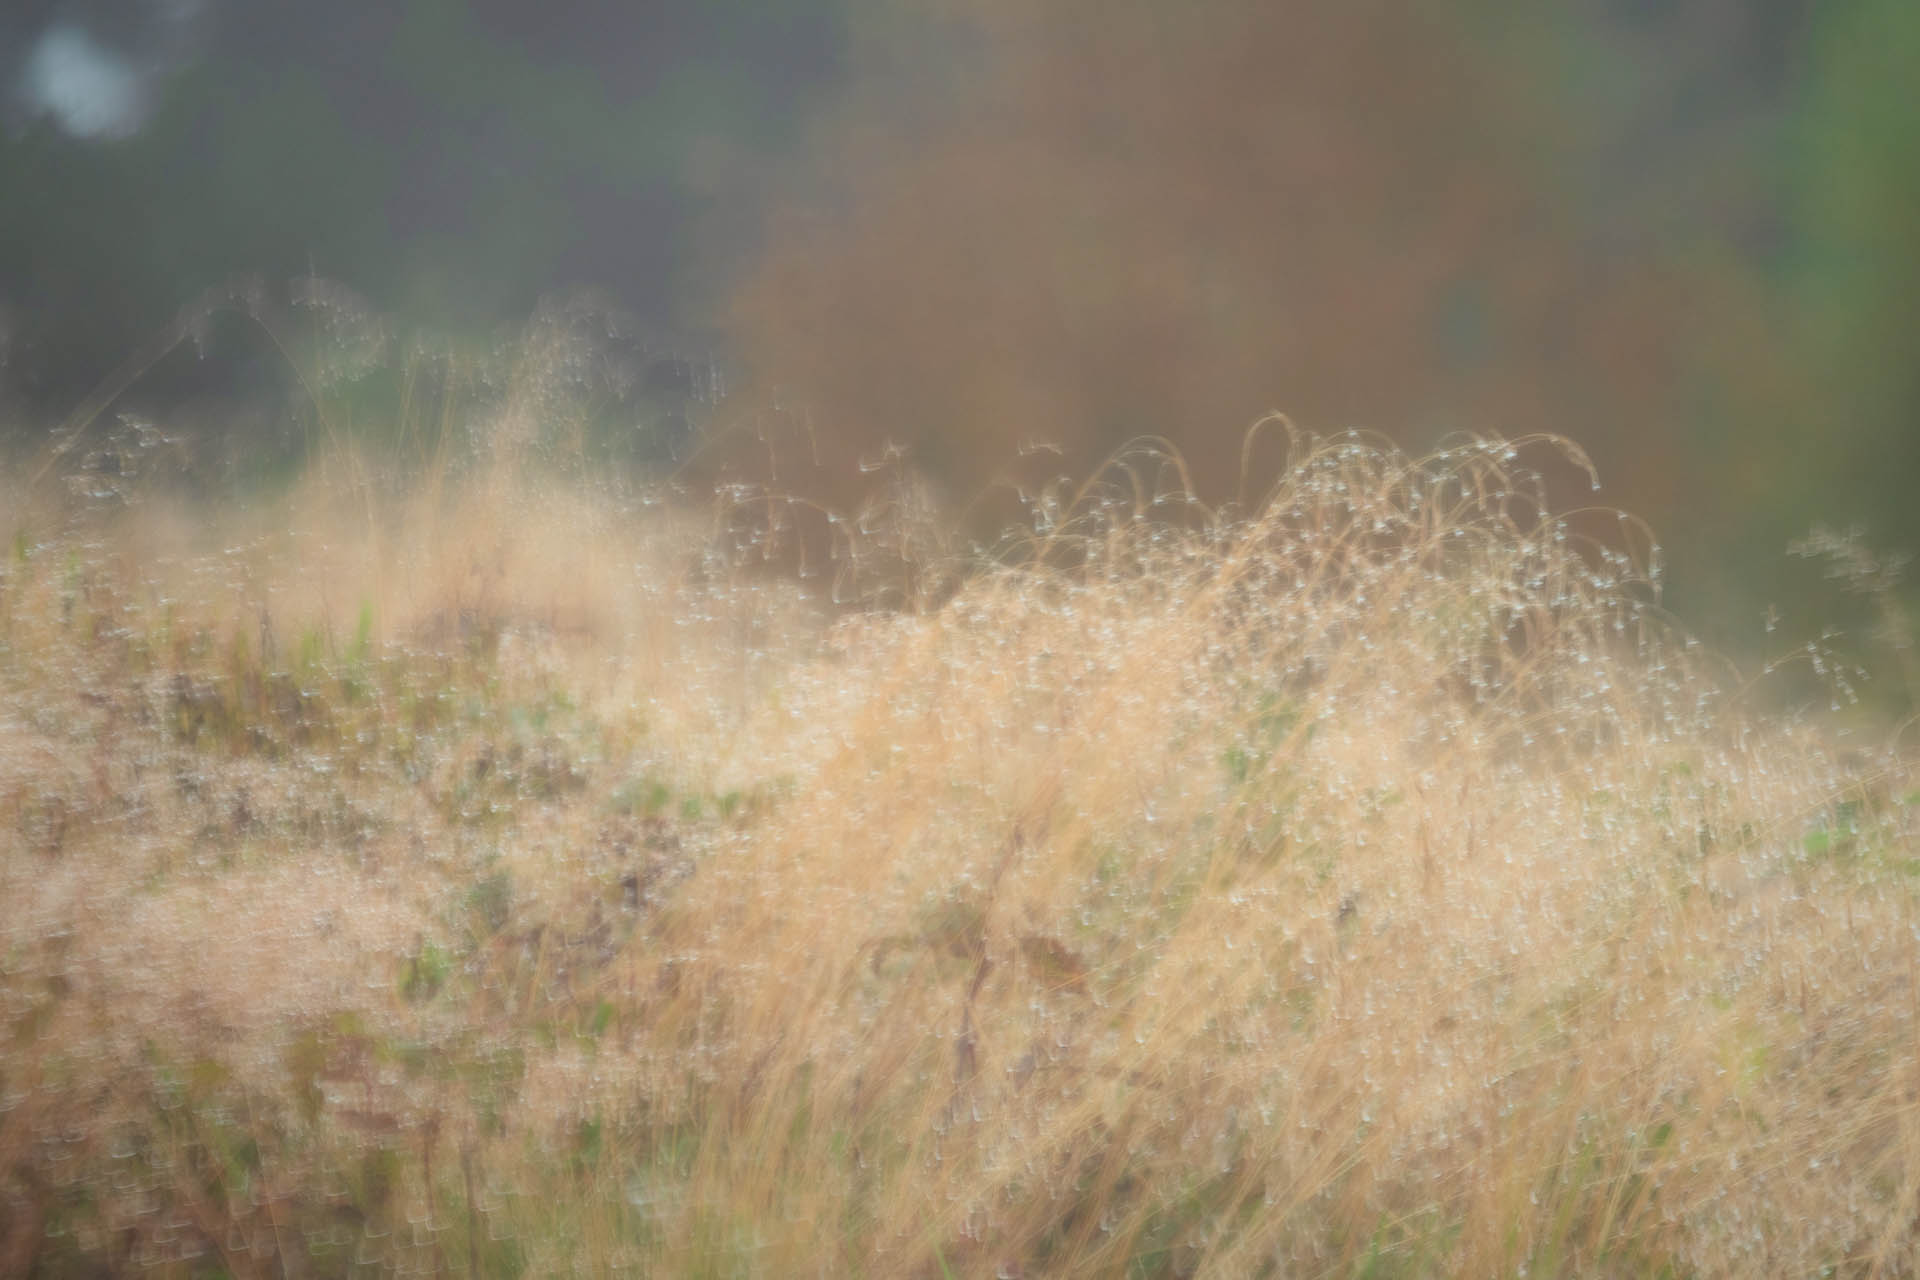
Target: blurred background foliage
1685	233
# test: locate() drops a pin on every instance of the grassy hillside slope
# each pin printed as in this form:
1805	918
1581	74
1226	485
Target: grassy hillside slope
506	877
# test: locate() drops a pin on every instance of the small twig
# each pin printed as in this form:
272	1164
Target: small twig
273	1216
966	1047
473	1210
429	1133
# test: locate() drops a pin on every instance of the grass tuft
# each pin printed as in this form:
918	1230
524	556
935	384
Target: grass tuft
1366	881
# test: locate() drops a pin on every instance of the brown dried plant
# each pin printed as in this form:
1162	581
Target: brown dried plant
1367	879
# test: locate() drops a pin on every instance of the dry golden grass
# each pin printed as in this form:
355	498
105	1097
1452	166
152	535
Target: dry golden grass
504	880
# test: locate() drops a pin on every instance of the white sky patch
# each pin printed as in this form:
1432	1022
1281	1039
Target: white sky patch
91	91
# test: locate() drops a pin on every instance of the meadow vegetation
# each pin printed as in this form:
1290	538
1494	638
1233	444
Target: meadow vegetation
499	869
